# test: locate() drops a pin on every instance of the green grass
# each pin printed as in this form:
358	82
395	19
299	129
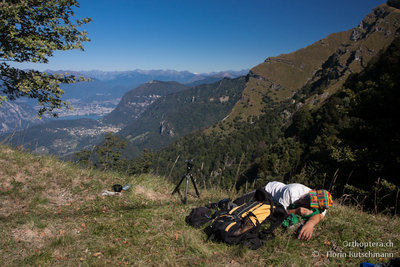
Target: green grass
62	220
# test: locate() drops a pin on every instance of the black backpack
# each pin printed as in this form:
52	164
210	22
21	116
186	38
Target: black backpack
198	217
202	215
241	225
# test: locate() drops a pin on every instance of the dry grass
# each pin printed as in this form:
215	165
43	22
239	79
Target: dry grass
52	214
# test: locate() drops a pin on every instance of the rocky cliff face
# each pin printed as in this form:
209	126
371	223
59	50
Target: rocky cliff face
16	116
166	128
322	66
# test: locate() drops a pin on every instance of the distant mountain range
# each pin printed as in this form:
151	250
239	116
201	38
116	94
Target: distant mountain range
141	76
102	94
117	83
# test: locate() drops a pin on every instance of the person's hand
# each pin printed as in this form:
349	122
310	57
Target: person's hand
303	211
306	231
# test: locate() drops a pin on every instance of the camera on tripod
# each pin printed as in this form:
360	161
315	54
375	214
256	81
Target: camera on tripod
188	176
189	163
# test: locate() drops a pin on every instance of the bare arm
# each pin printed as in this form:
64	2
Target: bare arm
308	228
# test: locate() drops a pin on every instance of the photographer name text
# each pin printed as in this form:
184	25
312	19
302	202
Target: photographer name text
354	245
353	254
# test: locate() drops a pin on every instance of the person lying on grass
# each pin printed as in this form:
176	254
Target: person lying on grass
300	200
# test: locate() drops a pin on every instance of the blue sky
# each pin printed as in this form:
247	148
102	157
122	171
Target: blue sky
202	35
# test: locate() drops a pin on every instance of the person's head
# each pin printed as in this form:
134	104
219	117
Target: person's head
320	199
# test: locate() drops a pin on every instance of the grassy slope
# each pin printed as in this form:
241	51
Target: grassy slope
280	77
52	213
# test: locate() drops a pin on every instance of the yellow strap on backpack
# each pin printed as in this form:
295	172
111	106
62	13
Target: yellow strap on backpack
260	212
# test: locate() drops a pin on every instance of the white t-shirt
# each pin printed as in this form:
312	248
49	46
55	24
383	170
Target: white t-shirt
287	194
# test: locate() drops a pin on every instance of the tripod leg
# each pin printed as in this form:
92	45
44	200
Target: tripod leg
186	190
195	187
177	187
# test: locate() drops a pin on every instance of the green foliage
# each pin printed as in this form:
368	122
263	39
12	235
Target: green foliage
140	165
110	151
31	31
302	120
109	156
280	160
83	157
106	156
373	134
383	196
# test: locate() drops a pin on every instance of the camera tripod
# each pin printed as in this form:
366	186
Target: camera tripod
188	176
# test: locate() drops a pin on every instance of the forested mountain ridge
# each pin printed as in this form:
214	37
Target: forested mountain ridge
177	114
135	102
321	67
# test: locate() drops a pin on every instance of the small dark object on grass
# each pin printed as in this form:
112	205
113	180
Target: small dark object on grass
117	188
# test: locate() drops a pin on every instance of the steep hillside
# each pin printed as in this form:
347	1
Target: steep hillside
177	114
322	66
135	102
354	137
53	214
